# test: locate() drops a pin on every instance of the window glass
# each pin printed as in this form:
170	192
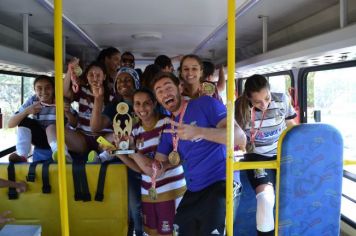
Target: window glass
28	90
331	99
278	83
10	101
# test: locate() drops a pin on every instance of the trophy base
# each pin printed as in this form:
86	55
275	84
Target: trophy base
120	152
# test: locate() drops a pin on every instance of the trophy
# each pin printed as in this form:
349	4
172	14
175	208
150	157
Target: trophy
122	124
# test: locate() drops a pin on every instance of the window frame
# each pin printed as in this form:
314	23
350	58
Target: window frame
302	96
9	150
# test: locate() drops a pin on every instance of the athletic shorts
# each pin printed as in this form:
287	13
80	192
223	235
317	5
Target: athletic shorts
158	217
92	144
260	176
202	213
39	136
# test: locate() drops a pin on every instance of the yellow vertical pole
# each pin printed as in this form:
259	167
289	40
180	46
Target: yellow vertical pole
62	178
230	115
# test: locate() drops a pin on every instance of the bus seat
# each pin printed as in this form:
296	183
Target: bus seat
311	181
246	213
91	218
41	154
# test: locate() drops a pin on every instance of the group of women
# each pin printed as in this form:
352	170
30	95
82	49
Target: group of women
155	196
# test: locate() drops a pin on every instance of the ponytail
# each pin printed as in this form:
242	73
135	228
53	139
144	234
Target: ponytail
242	111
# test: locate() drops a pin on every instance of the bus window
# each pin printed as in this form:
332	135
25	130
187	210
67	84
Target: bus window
279	83
10	101
28	89
331	99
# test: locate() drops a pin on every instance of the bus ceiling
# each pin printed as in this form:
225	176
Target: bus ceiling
292	30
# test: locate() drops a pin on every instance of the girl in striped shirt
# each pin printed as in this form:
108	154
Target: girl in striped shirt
160	194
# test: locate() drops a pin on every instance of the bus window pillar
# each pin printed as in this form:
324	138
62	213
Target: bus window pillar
264	33
343	13
25	17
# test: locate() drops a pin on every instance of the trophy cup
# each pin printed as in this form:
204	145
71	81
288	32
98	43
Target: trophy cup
122	125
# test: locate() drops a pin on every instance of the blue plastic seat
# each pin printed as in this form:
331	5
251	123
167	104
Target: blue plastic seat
311	181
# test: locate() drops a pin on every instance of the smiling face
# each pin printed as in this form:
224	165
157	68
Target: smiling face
127	61
191	71
261	99
44	91
143	106
168	94
125	85
95	76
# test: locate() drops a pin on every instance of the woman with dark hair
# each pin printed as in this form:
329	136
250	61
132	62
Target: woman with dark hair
148	74
191	73
111	58
263	115
83	139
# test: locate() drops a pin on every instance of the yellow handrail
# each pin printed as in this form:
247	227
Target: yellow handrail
349	162
58	59
230	115
255	165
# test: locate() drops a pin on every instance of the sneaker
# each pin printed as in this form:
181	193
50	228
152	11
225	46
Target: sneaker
55	157
93	157
15	158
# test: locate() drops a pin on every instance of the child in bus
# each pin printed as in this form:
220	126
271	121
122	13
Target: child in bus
263	115
158	210
191	72
20	186
83	139
33	119
127	81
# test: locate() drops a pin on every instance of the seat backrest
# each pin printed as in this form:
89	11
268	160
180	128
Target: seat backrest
310	188
311	180
108	217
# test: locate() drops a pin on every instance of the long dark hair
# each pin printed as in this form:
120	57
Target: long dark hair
254	83
105	82
107	52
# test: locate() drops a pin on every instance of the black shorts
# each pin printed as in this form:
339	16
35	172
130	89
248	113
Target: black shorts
39	136
260	176
203	213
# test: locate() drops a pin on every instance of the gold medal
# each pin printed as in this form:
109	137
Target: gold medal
208	88
174	158
152	193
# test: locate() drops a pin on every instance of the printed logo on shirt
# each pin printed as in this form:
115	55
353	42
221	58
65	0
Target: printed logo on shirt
165	226
215	231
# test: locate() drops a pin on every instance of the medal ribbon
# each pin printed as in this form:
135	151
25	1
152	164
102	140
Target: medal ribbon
254	132
154	174
74	79
47	105
174	135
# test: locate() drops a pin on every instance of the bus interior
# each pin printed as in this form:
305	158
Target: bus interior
306	48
